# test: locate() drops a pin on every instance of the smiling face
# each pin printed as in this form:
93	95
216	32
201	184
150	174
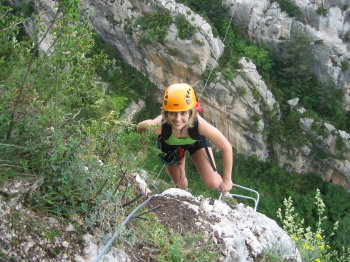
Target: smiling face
181	119
178	120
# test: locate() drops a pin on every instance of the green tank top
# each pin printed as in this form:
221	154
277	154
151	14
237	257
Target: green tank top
174	141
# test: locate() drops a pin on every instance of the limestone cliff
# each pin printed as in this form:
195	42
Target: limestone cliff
172	60
326	23
240	107
244	233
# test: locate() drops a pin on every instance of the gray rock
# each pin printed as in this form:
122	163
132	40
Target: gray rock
237	107
293	102
132	109
70	228
266	23
164	63
243	239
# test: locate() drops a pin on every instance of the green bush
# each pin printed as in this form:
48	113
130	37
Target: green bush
154	25
313	243
174	247
120	102
347	37
213	11
291	9
58	124
185	29
345	66
321	11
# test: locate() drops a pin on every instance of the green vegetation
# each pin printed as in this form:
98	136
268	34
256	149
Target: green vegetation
291	9
293	72
312	244
126	84
321	10
59	127
185	29
241	90
154	26
295	68
347	37
213	11
185	247
51	105
344	66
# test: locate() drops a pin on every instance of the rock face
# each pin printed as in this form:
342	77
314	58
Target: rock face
177	60
166	62
238	107
244	233
323	139
326	23
241	106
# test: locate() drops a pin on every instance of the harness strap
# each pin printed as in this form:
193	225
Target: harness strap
194	133
209	156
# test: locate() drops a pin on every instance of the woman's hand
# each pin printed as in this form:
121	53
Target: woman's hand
226	186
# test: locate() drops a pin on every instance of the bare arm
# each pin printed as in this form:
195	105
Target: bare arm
220	141
150	124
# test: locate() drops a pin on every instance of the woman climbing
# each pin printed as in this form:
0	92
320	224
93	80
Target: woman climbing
181	128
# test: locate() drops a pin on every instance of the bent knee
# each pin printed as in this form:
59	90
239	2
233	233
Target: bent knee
181	183
214	184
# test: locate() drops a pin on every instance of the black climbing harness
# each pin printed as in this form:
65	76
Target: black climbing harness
171	153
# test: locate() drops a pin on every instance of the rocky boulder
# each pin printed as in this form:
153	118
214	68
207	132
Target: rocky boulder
243	233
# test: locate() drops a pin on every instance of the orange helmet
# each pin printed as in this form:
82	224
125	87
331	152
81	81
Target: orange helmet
179	97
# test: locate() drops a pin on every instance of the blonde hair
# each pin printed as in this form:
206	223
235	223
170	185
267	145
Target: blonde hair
193	117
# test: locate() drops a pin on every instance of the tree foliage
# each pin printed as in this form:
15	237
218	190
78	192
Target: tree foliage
57	121
295	66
